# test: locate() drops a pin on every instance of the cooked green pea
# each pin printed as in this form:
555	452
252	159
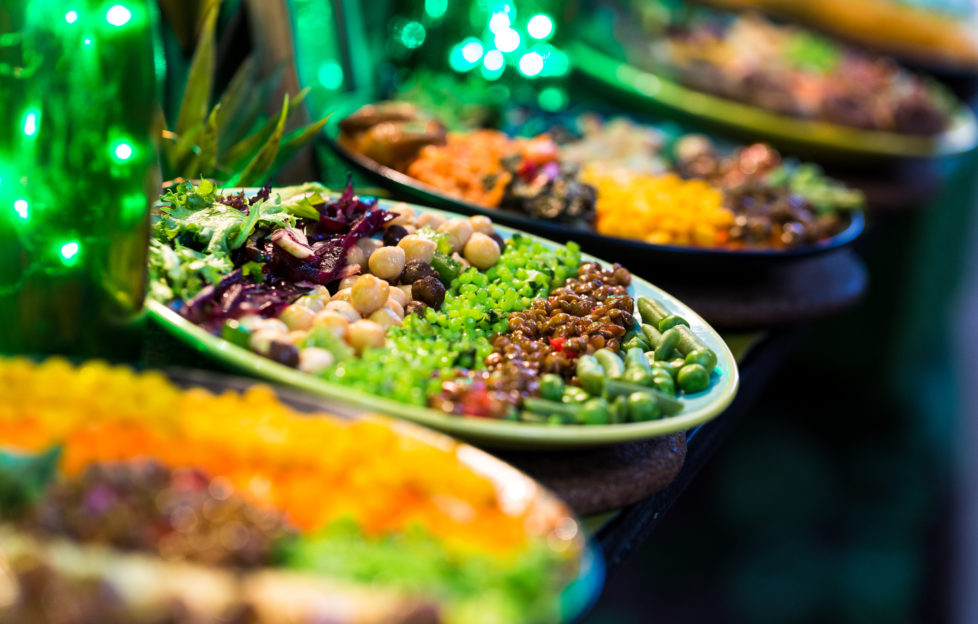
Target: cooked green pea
574	394
610	362
643	407
664	383
551	387
693	378
671	321
638	375
670	339
595	412
590	374
704	357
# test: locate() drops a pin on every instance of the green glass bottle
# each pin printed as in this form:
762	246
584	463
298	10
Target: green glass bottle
78	174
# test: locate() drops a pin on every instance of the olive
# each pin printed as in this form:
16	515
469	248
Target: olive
394	234
429	290
416	270
283	353
415	307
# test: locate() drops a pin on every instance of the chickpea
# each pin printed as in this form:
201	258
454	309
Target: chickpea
354	255
251	322
342	295
364	333
261	341
394	306
344	309
405	215
385	317
482	251
457	257
369	294
297	317
368	246
397	294
314	360
334	322
271	324
459	231
408	293
410	229
417	248
430	219
296	336
347	282
387	263
481	223
315	302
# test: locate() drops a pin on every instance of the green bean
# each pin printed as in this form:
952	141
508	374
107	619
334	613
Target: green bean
664	383
651	311
677	363
636	358
642	407
693	378
704	357
638	375
595	412
670	368
670	339
590	374
688	341
610	362
671	321
567	412
574	394
615	388
551	387
635	343
619	410
531	417
652	335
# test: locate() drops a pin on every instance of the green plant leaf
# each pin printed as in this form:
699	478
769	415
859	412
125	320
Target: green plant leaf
247	119
23	478
295	141
237	155
204	164
236	99
259	165
200	78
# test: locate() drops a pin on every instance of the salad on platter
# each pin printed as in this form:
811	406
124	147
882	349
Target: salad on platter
124	498
434	312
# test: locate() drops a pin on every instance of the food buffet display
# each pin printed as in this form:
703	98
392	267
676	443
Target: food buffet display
605	180
136	500
491	330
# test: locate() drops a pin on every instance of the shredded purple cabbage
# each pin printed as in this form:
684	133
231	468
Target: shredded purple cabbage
242	203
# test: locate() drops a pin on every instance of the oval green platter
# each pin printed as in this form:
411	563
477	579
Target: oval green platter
808	135
698	408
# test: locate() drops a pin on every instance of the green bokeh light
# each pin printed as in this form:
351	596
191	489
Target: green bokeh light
330	75
500	19
552	99
435	8
30	124
493	60
540	26
69	252
122	151
71	17
118	15
507	40
412	35
21	208
465	54
472	50
531	64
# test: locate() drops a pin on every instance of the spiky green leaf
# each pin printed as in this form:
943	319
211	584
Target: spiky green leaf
200	78
257	169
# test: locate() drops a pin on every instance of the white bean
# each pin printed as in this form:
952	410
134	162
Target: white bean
482	251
